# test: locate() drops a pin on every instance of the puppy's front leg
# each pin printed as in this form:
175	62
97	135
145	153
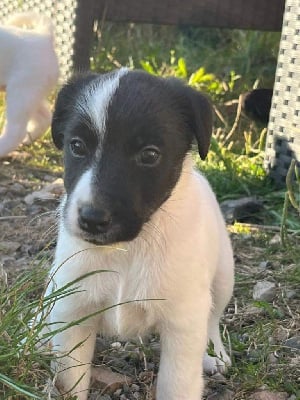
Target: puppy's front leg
183	344
39	122
75	348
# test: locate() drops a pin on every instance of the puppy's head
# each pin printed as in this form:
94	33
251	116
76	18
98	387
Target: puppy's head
125	135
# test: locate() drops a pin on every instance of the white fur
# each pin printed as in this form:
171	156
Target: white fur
28	72
183	258
94	101
82	194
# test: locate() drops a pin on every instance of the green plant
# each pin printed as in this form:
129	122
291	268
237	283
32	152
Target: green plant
23	368
252	54
199	79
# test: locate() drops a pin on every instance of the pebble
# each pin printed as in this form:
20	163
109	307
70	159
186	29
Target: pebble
293	342
116	345
17	189
268	395
291	294
276	239
280	334
3	190
9	246
224	394
218	376
253	310
264	291
118	392
264	265
49	192
244	209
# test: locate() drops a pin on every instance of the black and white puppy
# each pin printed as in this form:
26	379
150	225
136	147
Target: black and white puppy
136	207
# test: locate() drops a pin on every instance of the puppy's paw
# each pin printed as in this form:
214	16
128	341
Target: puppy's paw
212	365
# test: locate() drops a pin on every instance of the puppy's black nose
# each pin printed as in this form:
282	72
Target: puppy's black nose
94	220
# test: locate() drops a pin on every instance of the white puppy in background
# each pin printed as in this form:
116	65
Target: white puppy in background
28	72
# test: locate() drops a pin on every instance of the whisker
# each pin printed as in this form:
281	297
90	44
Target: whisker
39	216
49	231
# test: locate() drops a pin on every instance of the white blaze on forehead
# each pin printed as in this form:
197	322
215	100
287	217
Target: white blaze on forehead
94	101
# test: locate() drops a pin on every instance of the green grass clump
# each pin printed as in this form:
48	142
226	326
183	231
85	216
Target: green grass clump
24	369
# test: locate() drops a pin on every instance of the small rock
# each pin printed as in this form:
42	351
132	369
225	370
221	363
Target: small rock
264	291
275	265
268	395
245	209
276	239
108	380
17	189
116	345
264	265
280	334
3	190
253	310
291	294
48	178
223	394
218	376
49	192
7	262
293	342
8	246
118	392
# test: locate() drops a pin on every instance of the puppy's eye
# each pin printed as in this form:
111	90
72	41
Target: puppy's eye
149	156
78	147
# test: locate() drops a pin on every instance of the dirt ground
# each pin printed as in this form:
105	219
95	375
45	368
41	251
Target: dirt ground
264	334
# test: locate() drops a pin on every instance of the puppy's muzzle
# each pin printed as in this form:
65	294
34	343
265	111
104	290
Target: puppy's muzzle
94	220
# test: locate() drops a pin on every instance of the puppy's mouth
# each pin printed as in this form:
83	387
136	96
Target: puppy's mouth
113	236
98	240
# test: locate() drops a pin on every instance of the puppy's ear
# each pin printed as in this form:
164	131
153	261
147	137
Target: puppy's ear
201	121
65	106
198	113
